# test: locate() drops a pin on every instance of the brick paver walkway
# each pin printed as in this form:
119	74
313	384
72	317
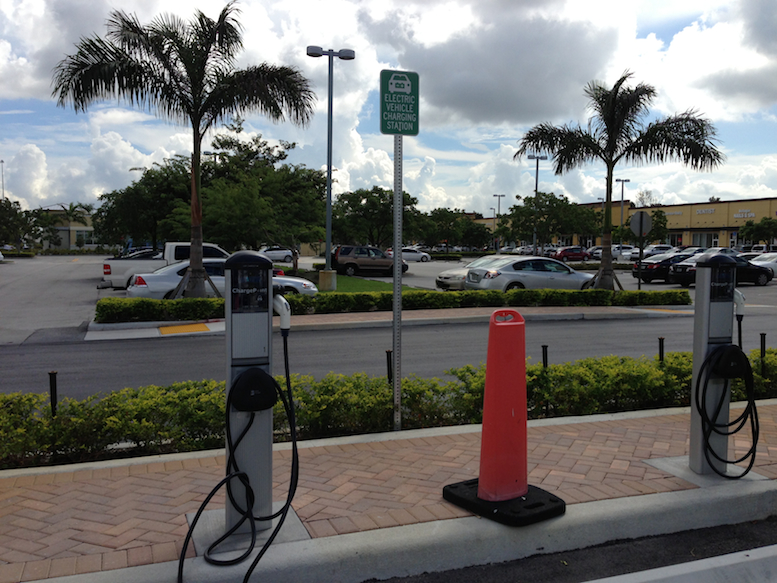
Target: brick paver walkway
71	522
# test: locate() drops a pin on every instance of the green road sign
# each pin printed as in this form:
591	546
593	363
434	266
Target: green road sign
399	103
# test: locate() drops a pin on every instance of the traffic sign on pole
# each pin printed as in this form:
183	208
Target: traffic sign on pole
399	103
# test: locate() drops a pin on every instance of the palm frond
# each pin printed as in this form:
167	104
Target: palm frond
569	146
274	91
686	137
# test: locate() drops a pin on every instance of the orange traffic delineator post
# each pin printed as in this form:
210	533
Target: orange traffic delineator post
502	493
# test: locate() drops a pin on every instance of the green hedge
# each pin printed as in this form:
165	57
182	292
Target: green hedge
112	310
190	416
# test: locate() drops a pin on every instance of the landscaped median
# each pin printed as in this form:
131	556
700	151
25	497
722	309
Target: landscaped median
190	415
113	310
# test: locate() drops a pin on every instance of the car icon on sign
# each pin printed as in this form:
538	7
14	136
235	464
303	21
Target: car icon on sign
399	83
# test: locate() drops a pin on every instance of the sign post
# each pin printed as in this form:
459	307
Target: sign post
398	117
640	224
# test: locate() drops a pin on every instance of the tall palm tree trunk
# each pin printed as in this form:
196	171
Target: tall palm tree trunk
195	288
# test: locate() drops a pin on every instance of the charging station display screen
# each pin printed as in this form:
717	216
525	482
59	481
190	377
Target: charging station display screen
723	283
250	292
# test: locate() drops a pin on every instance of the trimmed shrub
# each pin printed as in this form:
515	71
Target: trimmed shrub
190	416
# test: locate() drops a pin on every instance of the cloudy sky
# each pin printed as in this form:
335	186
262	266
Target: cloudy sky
489	70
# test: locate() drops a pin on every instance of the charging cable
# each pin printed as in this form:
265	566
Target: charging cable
281	306
727	362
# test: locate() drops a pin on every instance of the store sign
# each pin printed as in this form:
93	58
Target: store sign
744	214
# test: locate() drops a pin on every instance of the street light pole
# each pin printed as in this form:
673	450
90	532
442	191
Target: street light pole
493	238
2	173
499	198
536	189
622	181
346	55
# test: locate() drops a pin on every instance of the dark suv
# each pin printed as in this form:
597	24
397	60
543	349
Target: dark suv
353	259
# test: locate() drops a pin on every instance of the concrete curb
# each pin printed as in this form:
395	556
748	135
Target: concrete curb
456	543
619	313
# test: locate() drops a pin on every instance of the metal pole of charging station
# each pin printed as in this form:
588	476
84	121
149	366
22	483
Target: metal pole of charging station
397	299
248	331
713	326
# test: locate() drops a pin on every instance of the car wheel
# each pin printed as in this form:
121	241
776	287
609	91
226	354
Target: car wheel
565	259
762	279
287	259
514	285
647	279
685	284
424	259
350	270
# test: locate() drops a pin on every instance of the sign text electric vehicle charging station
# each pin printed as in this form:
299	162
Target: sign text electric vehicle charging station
398	117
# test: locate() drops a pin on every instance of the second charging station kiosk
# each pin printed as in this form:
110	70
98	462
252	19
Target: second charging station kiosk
248	326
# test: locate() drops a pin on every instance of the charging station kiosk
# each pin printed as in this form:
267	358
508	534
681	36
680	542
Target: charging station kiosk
713	329
248	326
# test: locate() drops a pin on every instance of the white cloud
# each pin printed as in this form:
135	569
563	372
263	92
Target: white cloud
489	70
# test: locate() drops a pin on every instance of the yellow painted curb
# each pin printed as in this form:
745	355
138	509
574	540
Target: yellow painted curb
184	329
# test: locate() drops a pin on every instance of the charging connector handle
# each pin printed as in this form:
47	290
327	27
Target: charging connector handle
739	303
282	308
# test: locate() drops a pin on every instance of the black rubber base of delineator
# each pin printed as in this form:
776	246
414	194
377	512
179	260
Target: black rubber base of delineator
537	505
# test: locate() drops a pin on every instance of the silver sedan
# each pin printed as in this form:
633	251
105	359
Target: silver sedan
525	273
162	283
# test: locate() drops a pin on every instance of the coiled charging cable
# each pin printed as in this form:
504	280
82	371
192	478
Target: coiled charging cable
234	473
711	364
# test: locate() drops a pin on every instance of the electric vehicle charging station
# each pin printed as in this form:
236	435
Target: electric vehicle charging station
713	326
248	326
251	393
716	361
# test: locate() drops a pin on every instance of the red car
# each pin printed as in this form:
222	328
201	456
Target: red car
575	253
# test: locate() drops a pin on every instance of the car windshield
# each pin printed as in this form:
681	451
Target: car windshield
172	267
765	258
480	261
659	258
501	262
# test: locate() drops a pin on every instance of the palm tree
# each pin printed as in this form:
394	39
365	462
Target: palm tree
184	72
616	133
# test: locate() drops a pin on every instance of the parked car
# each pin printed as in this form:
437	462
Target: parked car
763	248
411	254
616	252
684	272
622	252
657	266
1	256
353	259
575	253
649	251
454	279
722	250
766	260
525	273
118	271
162	283
278	253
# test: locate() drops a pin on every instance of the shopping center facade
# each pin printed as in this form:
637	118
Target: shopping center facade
706	224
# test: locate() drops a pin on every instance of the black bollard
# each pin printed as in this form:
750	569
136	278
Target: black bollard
544	356
660	349
763	354
390	367
53	392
